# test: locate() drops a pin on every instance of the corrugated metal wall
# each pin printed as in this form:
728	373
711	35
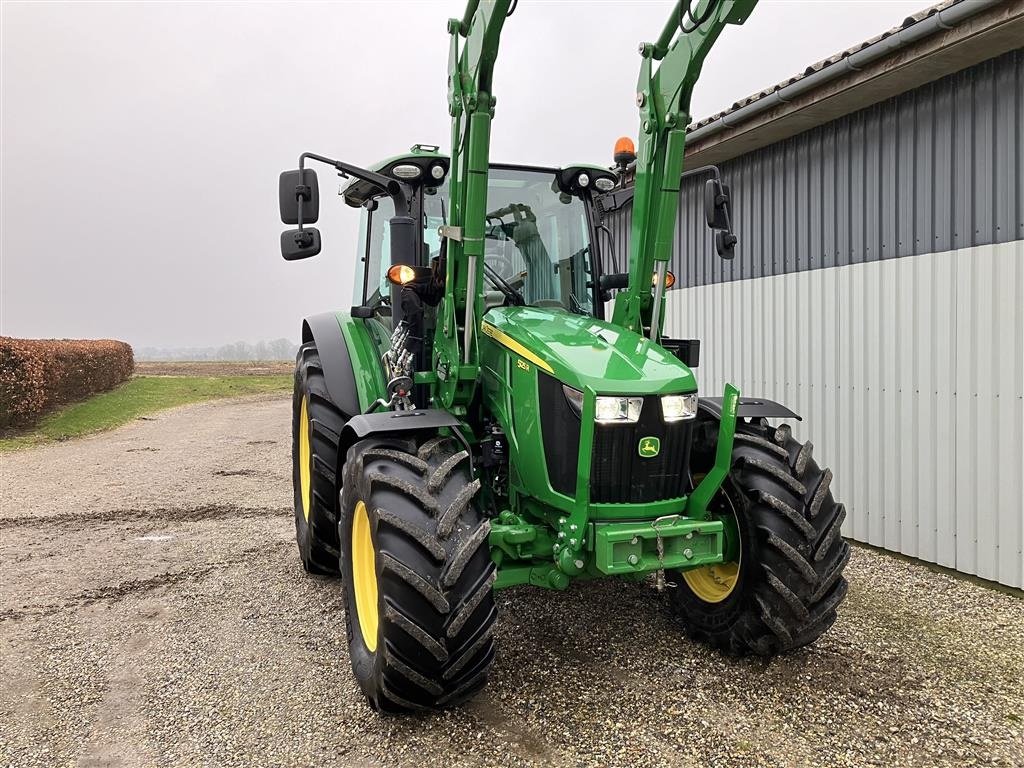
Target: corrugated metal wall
931	170
878	290
908	374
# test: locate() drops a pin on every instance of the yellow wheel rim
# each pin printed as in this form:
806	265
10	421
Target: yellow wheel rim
305	458
364	576
713	583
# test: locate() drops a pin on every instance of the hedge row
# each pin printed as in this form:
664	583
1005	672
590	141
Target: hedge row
39	374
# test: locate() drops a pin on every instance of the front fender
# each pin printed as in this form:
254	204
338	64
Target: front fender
749	408
396	424
325	330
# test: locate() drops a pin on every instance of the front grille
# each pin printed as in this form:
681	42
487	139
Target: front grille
619	475
560	429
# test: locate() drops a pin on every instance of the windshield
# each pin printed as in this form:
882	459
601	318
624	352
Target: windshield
536	240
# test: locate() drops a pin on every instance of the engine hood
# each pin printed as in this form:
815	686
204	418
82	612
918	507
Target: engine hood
587	353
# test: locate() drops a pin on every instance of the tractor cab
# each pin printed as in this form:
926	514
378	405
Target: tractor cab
540	244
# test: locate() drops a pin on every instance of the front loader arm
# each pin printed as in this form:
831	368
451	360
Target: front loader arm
471	105
663	96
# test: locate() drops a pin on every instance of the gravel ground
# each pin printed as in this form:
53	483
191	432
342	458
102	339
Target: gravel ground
153	612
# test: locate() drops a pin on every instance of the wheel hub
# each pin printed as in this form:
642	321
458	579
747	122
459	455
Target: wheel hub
713	583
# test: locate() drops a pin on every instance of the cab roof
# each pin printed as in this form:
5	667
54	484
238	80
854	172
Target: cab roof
357	192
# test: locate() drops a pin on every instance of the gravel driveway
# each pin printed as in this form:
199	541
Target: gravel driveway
153	612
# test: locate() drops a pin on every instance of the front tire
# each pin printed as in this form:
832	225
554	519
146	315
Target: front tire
316	432
419	605
783	577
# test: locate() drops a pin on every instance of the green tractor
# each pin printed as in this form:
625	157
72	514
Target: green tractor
501	407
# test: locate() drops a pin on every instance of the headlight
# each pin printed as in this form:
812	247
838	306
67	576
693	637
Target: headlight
678	407
612	409
604	184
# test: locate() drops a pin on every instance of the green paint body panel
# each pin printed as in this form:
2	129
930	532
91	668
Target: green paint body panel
365	354
593	355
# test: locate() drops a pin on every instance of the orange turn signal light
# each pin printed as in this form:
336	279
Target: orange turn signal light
401	274
670	280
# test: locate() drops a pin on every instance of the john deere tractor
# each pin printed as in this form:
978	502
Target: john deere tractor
502	407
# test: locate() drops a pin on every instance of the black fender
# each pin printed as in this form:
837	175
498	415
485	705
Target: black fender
749	408
389	422
397	424
325	330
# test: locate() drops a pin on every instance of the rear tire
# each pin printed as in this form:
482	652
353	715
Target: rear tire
788	583
316	432
419	605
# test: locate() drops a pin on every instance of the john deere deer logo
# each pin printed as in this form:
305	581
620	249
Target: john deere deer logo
649	447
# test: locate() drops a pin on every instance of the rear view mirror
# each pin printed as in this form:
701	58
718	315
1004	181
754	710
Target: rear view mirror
300	243
294	185
725	244
716	204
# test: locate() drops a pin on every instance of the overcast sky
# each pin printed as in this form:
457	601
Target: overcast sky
142	142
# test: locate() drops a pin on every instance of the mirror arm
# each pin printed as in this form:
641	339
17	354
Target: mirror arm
617	198
712	169
396	190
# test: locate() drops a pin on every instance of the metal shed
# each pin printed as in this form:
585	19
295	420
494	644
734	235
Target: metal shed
878	284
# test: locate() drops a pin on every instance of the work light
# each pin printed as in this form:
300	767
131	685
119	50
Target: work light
678	407
407	171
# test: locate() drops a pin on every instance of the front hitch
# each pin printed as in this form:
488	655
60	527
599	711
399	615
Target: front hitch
697	507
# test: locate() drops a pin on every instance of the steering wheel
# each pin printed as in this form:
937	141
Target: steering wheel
499	262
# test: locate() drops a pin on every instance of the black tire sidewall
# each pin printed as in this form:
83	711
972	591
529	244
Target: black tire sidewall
365	663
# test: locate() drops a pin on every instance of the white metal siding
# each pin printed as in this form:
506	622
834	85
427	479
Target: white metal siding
909	374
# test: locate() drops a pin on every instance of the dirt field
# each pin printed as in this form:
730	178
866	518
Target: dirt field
214	368
153	612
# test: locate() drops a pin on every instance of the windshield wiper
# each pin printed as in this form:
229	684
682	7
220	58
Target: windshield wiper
514	296
576	306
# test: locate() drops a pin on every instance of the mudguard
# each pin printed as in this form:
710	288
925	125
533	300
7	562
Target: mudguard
385	422
325	330
396	423
749	408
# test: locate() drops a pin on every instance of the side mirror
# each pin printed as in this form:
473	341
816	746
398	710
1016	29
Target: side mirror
300	243
716	204
294	185
725	244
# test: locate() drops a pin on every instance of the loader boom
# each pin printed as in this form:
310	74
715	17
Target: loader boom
471	106
668	72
